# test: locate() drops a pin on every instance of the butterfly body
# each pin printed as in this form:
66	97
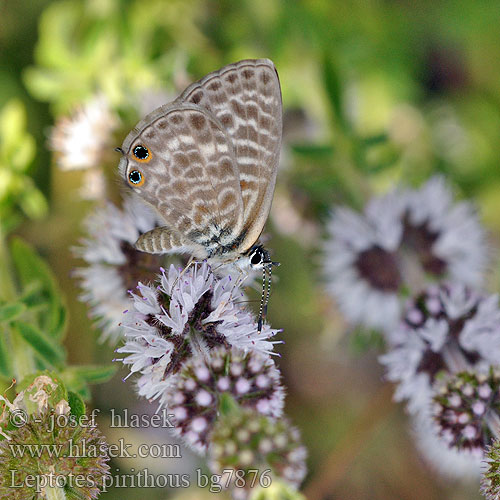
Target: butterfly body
207	162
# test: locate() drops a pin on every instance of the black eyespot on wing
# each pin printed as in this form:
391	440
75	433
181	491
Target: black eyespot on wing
141	152
135	177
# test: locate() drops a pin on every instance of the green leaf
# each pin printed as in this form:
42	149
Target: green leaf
76	404
94	374
228	405
333	89
12	125
32	202
24	154
362	340
375	140
313	150
32	296
9	312
32	270
42	84
84	392
45	346
5	364
10	218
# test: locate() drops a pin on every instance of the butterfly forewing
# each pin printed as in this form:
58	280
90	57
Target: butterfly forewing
246	99
191	176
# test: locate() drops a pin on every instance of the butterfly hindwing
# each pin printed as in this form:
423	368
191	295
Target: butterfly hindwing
246	99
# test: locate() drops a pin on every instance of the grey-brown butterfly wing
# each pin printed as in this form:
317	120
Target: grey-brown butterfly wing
185	167
246	98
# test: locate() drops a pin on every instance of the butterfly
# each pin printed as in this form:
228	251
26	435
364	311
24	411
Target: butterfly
207	162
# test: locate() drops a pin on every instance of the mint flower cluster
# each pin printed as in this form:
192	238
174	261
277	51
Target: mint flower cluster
189	343
412	266
197	351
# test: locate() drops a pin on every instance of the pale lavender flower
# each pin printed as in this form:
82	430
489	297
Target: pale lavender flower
93	185
79	141
457	240
467	410
113	266
183	316
401	241
251	379
247	441
459	465
449	328
360	261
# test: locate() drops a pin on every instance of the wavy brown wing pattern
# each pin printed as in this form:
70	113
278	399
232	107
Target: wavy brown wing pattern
246	98
191	179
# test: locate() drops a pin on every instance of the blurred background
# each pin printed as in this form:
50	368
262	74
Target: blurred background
375	93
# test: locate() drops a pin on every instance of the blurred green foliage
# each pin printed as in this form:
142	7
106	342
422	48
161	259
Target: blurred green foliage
17	152
33	320
118	48
398	90
395	91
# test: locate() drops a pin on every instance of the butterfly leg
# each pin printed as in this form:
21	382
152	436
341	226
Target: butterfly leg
216	268
188	265
243	275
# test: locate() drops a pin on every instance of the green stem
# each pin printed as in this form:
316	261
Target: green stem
23	361
7	286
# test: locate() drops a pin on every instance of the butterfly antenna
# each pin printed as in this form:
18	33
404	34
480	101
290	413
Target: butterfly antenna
262	299
268	291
